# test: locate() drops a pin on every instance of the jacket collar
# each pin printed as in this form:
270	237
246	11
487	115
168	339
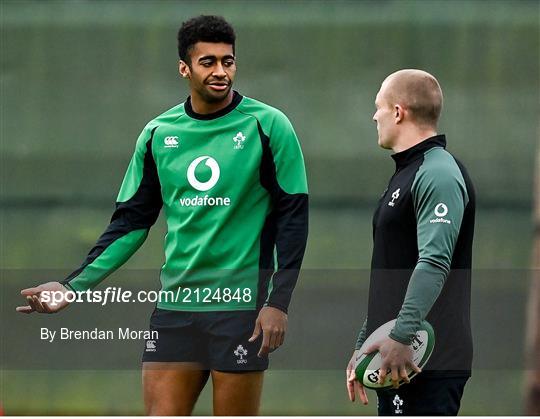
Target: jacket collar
405	157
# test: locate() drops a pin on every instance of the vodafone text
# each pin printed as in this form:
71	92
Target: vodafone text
198	201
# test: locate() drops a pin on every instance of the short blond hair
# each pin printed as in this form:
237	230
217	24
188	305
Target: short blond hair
417	91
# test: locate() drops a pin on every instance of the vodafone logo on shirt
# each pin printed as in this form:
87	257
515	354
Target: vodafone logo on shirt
204	200
209	184
441	210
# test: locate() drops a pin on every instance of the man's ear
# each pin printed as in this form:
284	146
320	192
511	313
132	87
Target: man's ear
399	113
184	70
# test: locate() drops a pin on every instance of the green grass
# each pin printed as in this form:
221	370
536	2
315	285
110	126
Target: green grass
285	393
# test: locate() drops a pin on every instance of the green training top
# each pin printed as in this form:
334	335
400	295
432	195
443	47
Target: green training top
234	192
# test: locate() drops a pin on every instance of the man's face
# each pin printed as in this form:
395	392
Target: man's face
385	117
211	72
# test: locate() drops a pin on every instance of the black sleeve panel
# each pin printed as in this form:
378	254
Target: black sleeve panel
290	212
139	212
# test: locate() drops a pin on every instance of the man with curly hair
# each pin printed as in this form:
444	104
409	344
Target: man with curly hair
229	172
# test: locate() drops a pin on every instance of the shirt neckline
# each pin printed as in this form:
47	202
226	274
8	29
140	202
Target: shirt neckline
237	98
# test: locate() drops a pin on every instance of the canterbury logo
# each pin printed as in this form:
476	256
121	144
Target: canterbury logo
210	183
171	142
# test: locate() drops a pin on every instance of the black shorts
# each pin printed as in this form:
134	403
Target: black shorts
437	396
216	340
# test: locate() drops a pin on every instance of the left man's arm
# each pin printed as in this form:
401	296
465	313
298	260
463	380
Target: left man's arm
137	208
283	175
440	197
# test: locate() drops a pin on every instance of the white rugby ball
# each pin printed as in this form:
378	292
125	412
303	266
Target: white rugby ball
368	366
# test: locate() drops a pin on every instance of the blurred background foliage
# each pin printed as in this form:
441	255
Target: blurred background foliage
80	79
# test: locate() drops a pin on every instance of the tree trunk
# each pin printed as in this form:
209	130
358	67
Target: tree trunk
532	345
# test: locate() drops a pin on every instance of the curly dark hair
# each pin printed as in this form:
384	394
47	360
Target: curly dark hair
203	29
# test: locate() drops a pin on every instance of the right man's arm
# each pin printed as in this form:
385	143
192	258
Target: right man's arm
440	198
137	208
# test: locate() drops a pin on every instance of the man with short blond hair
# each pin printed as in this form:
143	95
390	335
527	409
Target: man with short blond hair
423	231
419	92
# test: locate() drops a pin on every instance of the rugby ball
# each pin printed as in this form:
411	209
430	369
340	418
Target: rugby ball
368	366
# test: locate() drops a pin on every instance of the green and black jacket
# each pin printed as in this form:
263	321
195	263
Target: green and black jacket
422	254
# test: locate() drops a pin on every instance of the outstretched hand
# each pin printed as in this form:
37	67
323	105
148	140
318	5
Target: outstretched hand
36	302
395	357
272	322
